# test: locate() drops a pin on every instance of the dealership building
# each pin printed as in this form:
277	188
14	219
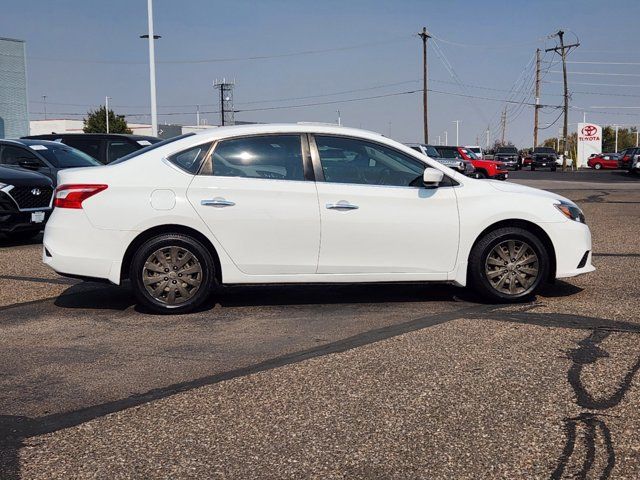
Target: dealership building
14	116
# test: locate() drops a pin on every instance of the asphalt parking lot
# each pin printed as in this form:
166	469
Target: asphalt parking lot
378	381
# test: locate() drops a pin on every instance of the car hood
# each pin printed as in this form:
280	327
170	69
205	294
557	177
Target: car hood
20	177
509	187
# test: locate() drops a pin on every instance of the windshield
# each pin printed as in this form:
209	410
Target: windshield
511	150
544	150
431	151
469	153
150	147
63	156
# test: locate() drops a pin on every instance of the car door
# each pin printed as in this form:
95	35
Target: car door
255	198
22	157
376	215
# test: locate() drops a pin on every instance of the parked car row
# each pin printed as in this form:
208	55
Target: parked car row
29	170
463	160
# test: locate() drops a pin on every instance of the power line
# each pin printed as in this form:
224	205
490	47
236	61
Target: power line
596	84
606	63
612	74
227	59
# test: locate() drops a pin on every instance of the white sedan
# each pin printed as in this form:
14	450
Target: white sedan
304	203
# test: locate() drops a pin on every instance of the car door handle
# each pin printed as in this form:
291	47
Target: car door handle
217	202
341	205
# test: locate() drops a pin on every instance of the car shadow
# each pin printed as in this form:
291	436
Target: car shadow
89	295
5	241
558	288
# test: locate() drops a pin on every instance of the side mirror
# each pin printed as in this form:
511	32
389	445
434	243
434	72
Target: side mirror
29	164
432	177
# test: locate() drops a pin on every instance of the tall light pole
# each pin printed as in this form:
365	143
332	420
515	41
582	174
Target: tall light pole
616	138
457	122
106	111
424	35
44	102
446	138
152	68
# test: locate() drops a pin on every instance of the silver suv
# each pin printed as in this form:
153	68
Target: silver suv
463	166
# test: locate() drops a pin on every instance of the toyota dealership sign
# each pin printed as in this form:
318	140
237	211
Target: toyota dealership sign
589	141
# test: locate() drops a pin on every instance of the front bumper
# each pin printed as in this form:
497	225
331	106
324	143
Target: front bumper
501	176
11	222
571	241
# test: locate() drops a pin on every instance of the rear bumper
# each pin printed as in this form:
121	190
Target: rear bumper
72	246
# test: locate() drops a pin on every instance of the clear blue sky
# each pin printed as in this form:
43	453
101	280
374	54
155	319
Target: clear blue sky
71	42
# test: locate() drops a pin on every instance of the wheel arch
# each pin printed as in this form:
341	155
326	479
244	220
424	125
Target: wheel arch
164	229
530	227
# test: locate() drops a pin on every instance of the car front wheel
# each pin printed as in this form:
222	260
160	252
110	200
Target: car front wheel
172	273
508	265
597	166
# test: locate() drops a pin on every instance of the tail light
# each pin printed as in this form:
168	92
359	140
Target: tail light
72	195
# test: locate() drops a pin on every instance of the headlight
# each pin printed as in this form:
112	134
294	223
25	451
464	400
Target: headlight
571	211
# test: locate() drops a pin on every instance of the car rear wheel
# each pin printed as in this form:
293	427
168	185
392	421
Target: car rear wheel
172	273
533	169
480	174
508	265
597	166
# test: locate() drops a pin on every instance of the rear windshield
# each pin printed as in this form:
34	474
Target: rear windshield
507	150
63	156
149	148
544	150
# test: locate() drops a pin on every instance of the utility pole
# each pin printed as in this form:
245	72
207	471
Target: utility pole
226	102
537	106
106	111
487	132
562	50
339	119
446	138
616	138
152	67
637	132
457	122
424	35
503	121
44	102
439	140
198	115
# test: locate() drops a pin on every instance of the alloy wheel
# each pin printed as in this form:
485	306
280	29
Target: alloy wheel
512	267
172	275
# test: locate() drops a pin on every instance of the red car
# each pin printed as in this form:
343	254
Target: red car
484	168
603	161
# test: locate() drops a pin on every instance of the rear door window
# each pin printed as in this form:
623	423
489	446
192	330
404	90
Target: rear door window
119	148
90	146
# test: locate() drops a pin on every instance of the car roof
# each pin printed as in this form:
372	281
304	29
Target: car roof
28	141
91	135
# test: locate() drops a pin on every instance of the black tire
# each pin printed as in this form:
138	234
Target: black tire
23	235
597	166
533	169
553	169
477	270
480	174
201	259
